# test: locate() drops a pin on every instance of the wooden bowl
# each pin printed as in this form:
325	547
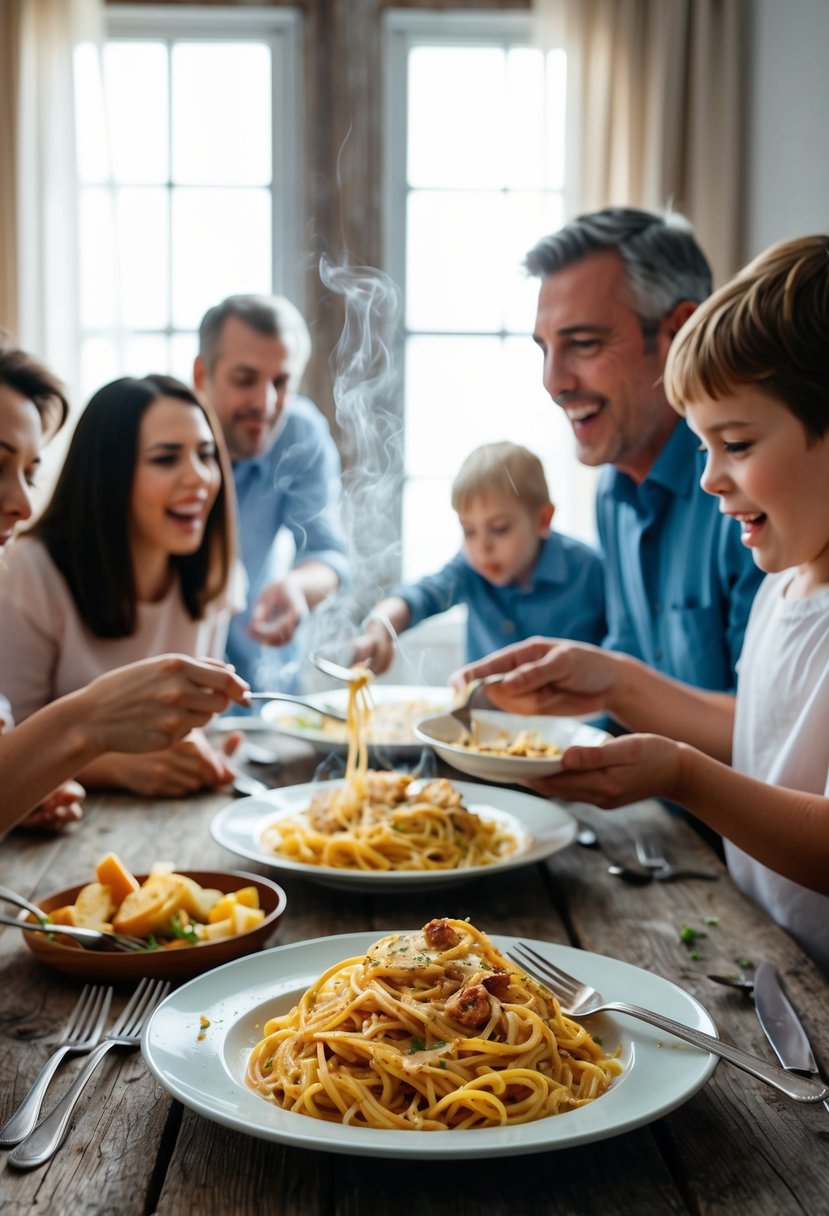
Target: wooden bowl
177	964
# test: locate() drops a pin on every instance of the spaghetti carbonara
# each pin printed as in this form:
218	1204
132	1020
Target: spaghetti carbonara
386	820
429	1031
528	744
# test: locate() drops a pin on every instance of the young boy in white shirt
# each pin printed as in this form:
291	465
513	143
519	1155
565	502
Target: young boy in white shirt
748	370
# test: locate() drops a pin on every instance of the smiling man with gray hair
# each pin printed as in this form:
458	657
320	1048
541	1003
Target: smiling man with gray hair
252	353
616	286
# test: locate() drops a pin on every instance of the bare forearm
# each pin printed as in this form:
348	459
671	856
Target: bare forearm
645	700
38	755
786	830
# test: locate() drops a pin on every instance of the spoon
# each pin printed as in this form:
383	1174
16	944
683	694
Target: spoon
588	839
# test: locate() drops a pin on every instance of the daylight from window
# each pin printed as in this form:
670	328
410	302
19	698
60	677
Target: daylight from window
176	196
179	196
485	165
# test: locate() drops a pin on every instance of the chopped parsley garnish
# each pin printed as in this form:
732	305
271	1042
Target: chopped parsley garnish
687	934
597	1038
183	930
416	1045
745	963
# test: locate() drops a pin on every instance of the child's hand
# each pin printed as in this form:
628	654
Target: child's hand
547	676
618	772
63	806
374	648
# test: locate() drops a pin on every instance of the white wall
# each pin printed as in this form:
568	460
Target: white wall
787	138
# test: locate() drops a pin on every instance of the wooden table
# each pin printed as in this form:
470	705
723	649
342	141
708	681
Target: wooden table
735	1146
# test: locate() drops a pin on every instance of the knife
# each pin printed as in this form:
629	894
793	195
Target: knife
781	1025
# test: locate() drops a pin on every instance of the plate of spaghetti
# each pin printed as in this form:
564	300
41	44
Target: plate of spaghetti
506	747
425	1043
440	834
384	829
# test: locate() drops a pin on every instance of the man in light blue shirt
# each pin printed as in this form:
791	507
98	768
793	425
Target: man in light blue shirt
616	286
252	353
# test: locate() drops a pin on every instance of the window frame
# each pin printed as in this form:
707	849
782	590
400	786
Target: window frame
283	30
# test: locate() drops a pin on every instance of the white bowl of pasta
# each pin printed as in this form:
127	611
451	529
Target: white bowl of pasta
506	747
438	833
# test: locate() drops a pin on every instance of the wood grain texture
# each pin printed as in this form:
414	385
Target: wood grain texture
735	1146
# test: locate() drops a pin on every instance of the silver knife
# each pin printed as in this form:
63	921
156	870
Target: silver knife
782	1026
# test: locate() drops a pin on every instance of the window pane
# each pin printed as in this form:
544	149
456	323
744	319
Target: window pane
452	390
144	257
431	532
556	96
221	242
222	113
97	259
145	354
135	75
449	261
183	351
523	161
528	218
99	365
90	116
456	116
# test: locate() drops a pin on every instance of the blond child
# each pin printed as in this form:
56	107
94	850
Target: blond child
748	370
516	577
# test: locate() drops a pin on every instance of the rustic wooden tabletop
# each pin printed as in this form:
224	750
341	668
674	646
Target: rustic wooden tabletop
736	1145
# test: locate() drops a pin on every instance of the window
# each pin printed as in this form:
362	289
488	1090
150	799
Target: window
475	148
189	170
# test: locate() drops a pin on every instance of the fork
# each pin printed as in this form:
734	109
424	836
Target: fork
81	1033
474	697
337	714
652	858
90	939
578	999
50	1133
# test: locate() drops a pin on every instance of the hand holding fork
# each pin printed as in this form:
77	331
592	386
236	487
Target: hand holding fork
49	1134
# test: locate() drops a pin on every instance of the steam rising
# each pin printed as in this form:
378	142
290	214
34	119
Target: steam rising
367	400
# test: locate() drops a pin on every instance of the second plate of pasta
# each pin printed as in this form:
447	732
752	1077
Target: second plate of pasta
514	829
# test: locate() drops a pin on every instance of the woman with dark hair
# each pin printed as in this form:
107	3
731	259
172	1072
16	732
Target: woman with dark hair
132	558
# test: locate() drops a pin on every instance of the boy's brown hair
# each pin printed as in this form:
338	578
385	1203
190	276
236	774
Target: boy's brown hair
504	469
768	326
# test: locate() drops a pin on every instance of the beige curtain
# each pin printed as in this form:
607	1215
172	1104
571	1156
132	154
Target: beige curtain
656	90
38	184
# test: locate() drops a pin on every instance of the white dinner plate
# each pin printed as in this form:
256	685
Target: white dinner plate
204	1067
443	733
329	736
543	827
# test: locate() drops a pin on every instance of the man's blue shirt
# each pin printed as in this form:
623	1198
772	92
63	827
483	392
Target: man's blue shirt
293	485
679	581
563	597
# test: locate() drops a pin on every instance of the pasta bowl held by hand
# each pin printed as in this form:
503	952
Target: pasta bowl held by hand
179	963
494	751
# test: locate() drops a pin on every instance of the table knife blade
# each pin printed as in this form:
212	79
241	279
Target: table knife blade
781	1024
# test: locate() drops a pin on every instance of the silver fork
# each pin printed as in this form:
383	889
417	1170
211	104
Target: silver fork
652	858
578	1000
90	939
50	1133
81	1033
474	698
